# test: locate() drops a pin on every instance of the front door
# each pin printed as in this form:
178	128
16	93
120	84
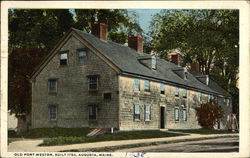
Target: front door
162	117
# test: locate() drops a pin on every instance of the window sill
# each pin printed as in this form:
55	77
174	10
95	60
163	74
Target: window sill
93	90
137	120
53	120
92	120
52	93
62	66
147	120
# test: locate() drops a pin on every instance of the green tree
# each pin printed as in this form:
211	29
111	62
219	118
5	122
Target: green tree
210	37
120	22
34	32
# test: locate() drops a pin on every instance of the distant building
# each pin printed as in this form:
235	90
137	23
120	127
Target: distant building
88	81
12	121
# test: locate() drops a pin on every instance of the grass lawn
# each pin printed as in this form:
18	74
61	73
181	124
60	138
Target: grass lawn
107	137
203	131
50	133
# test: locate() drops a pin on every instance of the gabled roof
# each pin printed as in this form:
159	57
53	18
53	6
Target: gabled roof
127	60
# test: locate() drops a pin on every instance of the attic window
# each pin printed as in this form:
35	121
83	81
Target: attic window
82	55
93	82
64	58
153	63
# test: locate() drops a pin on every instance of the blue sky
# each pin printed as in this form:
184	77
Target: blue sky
144	17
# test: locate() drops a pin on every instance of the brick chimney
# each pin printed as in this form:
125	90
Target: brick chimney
195	66
175	57
99	30
135	42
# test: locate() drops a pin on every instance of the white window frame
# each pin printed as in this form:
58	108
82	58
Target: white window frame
147	109
61	55
184	91
162	88
137	111
146	89
184	110
176	93
137	84
176	114
153	62
84	51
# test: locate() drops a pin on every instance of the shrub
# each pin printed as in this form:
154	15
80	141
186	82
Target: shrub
208	114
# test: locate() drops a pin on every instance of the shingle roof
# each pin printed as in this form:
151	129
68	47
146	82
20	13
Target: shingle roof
127	60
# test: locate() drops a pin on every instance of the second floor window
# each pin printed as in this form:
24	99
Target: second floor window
82	55
52	85
176	91
162	89
93	82
63	58
147	86
136	84
184	93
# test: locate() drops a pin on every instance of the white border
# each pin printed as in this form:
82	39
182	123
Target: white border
244	81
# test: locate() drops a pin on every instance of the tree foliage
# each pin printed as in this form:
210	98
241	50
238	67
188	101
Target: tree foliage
208	114
34	32
22	62
210	37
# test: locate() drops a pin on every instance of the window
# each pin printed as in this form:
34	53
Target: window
82	55
63	58
147	86
147	113
53	112
176	91
136	84
184	93
137	112
184	114
107	96
199	97
153	63
93	82
52	85
209	97
92	112
176	114
162	89
228	101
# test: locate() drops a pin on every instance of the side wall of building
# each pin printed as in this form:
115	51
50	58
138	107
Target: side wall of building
73	97
129	97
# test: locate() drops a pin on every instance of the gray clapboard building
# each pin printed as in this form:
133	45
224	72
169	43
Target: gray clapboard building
88	81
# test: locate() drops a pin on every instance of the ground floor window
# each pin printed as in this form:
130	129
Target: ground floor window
176	114
184	114
53	112
147	112
92	112
136	111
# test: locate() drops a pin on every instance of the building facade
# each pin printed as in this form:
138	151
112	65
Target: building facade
88	81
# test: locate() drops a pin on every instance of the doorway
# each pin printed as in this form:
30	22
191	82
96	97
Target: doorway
162	117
